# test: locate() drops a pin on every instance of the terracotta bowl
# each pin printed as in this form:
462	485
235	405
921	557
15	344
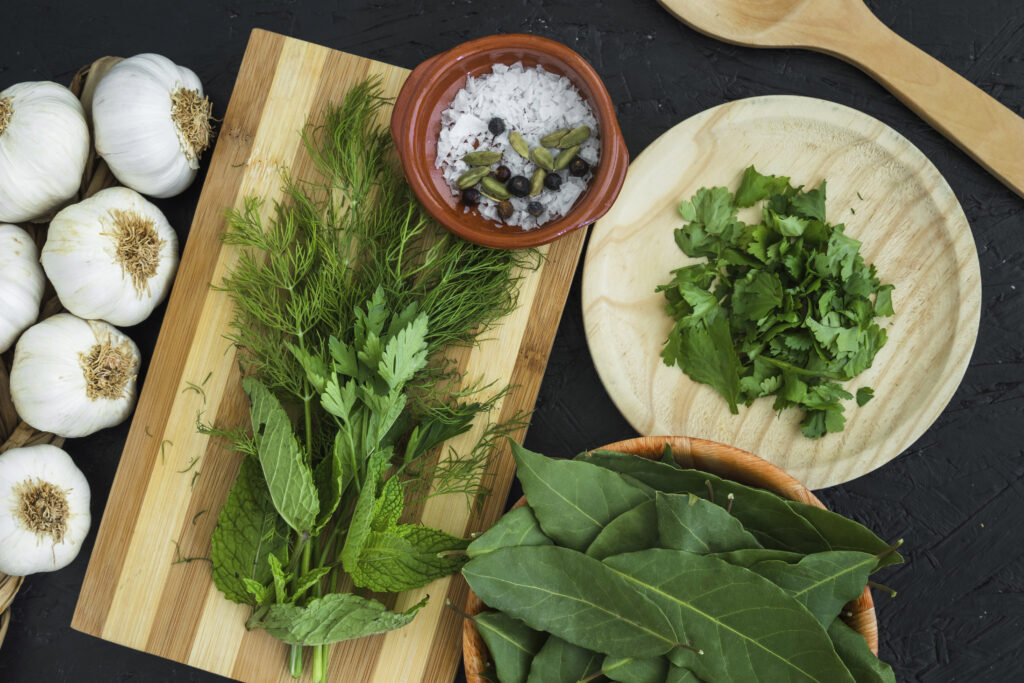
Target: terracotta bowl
416	124
708	456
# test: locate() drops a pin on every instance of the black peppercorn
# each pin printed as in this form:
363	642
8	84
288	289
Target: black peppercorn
553	181
535	208
505	210
502	173
470	197
578	167
496	126
519	186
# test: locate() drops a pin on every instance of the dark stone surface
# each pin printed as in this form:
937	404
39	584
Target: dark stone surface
956	495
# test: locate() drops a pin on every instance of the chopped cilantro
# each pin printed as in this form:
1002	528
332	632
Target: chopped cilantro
784	308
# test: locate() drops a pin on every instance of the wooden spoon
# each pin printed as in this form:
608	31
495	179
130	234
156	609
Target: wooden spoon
982	127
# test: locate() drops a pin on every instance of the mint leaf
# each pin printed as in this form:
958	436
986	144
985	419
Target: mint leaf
405	557
332	618
362	516
289	479
248	531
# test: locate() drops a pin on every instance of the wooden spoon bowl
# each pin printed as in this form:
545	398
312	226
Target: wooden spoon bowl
708	456
970	118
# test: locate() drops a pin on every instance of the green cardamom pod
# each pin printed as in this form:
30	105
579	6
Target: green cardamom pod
577	136
472	177
566	156
551	139
537	182
519	144
494	188
543	158
482	157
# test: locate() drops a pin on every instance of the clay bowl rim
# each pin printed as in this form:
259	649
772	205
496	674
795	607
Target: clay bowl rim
424	93
725	461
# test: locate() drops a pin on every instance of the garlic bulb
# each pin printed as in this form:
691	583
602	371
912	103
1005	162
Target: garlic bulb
151	123
44	144
111	257
21	283
44	510
73	377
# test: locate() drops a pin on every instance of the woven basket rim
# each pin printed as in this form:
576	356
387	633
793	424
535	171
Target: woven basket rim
708	456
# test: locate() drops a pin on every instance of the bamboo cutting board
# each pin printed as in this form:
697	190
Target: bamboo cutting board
137	591
889	196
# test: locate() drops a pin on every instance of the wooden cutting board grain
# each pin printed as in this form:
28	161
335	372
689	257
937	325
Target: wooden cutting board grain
144	588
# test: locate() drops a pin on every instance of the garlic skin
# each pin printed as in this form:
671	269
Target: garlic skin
74	377
111	257
44	510
21	283
44	144
151	124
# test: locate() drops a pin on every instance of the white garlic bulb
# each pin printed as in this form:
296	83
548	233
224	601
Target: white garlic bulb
151	123
111	257
73	377
44	510
21	283
44	144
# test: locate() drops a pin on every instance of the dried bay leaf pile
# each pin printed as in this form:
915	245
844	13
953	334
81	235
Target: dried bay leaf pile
627	569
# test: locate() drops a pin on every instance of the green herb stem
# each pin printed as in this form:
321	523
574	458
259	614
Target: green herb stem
295	661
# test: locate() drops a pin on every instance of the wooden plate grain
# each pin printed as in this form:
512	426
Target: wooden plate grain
889	196
148	586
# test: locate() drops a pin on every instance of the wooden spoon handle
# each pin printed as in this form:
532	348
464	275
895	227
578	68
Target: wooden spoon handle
982	127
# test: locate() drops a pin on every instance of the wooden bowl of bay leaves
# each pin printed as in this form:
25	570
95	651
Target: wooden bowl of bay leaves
796	572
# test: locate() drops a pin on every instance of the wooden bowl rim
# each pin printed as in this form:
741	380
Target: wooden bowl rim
716	458
412	114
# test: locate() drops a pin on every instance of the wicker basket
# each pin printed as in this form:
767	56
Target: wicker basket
724	461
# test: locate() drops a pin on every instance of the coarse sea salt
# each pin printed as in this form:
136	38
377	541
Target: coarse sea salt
532	102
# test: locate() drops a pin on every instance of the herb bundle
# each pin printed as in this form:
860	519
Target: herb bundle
786	307
344	303
630	569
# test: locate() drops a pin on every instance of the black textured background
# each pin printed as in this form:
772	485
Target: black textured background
956	496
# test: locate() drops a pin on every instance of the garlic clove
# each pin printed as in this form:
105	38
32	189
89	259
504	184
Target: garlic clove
111	257
21	283
44	144
152	123
74	377
44	510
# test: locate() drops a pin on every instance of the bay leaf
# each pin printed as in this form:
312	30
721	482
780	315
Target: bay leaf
687	522
634	670
516	527
635	529
560	661
512	644
574	597
822	582
678	674
858	657
573	500
746	558
841	533
765	515
747	628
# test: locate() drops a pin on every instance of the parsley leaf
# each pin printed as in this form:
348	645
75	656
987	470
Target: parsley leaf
784	308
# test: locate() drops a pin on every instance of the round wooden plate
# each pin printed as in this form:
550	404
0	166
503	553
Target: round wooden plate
890	197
